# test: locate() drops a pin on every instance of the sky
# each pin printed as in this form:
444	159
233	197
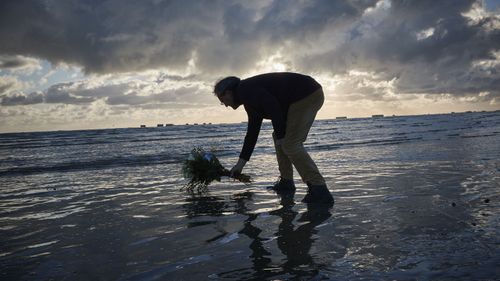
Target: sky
75	64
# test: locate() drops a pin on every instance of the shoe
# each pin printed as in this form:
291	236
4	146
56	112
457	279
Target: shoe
318	194
283	185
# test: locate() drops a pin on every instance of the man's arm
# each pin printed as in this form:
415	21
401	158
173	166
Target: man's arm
253	129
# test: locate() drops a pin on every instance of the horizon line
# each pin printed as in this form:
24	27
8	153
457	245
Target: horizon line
163	125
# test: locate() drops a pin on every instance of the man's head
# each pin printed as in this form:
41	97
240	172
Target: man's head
224	90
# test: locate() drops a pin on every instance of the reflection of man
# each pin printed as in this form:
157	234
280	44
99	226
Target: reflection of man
291	101
296	243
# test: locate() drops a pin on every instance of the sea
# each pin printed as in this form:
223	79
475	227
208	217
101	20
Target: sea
416	198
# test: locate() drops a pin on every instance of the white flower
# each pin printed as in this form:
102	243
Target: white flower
208	156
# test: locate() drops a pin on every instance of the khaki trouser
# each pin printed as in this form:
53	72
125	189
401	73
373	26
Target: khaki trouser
301	115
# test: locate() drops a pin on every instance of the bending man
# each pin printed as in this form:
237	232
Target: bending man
291	101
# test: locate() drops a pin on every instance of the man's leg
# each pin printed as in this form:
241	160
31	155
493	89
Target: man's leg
300	118
284	164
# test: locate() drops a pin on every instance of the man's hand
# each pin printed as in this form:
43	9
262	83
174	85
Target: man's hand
236	170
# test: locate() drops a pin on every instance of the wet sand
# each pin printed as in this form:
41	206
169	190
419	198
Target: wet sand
424	210
389	222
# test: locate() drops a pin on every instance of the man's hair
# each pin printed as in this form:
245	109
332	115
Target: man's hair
228	83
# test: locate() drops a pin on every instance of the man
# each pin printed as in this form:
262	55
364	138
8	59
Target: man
291	101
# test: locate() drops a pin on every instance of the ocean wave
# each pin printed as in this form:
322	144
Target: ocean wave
95	164
370	142
63	151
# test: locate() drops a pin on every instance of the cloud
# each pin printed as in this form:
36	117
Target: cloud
158	54
21	99
117	36
183	95
19	64
10	84
7	83
160	89
429	46
405	39
107	36
62	93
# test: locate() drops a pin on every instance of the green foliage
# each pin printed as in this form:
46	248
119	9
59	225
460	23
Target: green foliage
201	168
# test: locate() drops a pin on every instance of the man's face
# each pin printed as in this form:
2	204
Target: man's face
227	99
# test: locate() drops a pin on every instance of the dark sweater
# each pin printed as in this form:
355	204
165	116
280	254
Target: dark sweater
268	96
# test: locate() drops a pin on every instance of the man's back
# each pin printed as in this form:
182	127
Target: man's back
287	87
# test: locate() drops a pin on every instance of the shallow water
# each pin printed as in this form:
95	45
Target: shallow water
416	198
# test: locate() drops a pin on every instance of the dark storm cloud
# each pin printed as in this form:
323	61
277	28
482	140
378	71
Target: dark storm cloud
21	99
65	93
15	64
106	36
306	19
60	93
125	94
118	35
443	62
429	46
251	33
10	62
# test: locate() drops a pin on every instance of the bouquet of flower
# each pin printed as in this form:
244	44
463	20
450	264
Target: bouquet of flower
201	168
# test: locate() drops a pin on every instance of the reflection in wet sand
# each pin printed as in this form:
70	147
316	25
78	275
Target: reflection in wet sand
294	240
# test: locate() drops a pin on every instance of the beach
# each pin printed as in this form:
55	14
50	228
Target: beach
416	198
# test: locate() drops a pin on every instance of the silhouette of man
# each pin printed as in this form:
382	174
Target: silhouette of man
291	101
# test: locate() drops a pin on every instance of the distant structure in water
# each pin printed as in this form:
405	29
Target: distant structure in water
159	125
377	115
194	124
341	117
